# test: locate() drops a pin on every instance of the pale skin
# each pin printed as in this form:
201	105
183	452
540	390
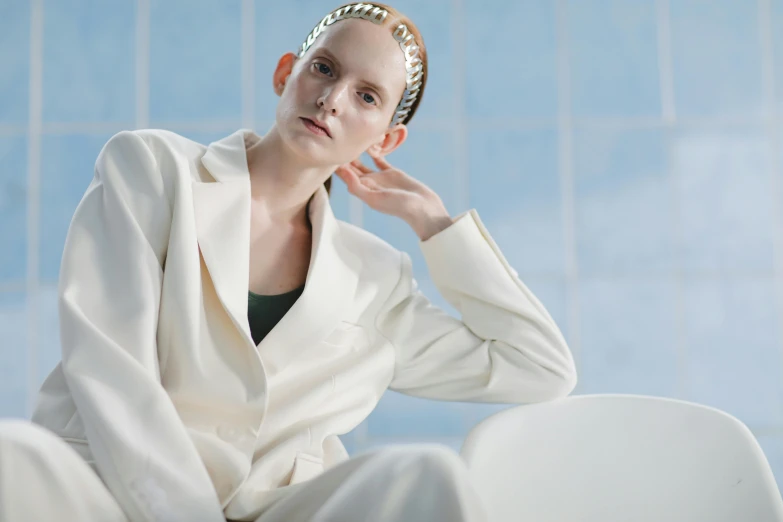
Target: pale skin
351	80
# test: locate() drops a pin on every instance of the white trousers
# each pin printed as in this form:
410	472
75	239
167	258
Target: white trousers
43	479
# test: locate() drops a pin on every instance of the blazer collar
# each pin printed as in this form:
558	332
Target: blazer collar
222	211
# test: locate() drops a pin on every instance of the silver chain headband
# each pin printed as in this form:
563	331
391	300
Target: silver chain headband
414	66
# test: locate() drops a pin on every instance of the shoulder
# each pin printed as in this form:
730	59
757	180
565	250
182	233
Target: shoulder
125	155
161	139
159	153
162	144
145	161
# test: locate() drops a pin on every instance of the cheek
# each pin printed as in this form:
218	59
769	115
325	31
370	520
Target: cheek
291	102
285	109
360	136
358	130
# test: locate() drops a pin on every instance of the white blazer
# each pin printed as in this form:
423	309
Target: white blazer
161	387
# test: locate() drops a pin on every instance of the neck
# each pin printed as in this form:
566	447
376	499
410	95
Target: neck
281	184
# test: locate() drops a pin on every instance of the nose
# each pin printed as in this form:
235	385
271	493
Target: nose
332	99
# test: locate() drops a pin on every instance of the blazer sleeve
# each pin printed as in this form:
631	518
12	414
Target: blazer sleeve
506	349
109	293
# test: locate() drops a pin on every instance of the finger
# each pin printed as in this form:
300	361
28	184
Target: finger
364	169
351	178
381	162
346	175
354	170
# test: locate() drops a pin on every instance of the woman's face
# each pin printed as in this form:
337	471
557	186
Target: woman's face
351	80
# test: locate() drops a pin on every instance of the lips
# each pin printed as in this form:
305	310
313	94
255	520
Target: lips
319	125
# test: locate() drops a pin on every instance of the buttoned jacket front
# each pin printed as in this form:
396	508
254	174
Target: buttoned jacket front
161	387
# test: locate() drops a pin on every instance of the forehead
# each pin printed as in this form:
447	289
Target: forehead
365	48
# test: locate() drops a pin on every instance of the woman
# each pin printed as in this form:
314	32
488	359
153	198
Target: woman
206	377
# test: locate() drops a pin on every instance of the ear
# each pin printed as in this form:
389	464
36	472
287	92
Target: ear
390	141
283	70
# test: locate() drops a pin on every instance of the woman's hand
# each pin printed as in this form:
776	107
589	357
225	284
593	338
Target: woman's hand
392	191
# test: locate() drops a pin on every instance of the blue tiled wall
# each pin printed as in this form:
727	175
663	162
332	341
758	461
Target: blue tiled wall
625	154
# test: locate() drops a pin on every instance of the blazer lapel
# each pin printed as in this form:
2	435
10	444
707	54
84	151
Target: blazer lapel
329	290
222	210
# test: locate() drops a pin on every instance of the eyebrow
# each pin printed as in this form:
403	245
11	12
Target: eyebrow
383	92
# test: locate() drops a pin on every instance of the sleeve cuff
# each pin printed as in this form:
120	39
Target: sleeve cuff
462	248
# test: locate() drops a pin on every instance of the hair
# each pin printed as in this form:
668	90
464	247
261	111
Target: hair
394	19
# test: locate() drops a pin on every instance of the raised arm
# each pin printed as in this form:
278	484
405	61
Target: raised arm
506	348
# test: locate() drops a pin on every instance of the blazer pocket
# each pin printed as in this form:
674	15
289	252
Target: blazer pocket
306	467
82	448
348	334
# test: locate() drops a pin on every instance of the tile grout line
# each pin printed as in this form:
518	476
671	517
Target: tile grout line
142	63
35	116
665	65
603	123
12	286
775	168
460	132
566	178
775	431
669	113
248	63
460	135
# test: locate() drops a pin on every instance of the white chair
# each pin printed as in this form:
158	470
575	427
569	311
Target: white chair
620	458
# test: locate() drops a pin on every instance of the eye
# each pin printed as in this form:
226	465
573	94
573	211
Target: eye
371	99
320	68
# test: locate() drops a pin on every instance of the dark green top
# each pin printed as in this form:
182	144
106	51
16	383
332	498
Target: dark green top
264	311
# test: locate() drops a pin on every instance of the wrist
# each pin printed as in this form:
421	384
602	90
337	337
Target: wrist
428	225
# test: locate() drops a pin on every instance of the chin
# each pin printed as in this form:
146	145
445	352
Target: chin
309	148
